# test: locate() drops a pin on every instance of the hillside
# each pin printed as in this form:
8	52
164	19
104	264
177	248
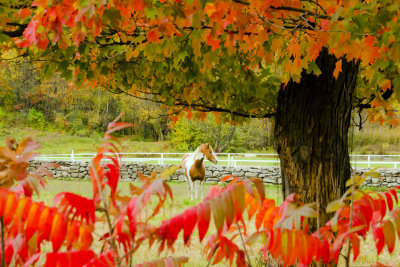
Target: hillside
56	142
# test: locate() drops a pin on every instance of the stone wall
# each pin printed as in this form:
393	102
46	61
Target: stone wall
270	175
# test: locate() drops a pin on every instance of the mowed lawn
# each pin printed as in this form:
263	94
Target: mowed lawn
180	202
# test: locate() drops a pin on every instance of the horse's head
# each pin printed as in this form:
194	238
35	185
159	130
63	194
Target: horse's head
208	152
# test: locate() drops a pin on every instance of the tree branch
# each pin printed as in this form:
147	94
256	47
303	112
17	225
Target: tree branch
16	33
18	6
305	12
197	107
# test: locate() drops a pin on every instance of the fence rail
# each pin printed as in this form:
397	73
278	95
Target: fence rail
231	159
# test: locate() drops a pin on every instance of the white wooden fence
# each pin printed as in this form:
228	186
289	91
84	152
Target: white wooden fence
231	159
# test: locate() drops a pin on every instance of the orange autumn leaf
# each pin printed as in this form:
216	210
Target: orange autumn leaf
338	69
386	85
152	36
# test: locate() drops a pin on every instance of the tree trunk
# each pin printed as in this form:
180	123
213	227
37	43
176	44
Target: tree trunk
311	130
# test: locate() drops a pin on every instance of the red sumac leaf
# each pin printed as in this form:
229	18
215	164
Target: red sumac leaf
21	214
355	244
379	239
276	247
311	249
32	222
382	205
260	187
117	126
81	206
72	233
325	252
291	248
70	258
190	220
85	236
217	209
9	210
45	221
3	199
238	201
58	231
229	210
389	233
203	218
226	178
105	259
253	207
396	220
394	194
32	260
175	225
389	200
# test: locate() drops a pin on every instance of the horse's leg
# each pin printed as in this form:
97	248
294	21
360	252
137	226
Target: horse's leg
188	185
191	188
202	189
196	188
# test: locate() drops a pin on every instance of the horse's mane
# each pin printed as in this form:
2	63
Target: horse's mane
197	154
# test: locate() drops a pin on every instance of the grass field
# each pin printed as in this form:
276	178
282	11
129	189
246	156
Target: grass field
195	251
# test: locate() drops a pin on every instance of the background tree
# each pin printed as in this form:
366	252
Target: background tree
187	134
298	60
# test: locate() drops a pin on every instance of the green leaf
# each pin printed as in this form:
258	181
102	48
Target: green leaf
4	38
313	68
334	206
104	70
168	172
111	16
151	13
357	180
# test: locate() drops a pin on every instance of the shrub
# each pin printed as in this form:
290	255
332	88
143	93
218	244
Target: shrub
36	119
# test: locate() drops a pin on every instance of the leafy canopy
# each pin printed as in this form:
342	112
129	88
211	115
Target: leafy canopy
226	55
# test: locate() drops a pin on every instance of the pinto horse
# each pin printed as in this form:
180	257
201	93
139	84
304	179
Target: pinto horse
194	170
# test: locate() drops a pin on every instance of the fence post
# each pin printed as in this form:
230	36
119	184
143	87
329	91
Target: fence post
162	158
72	155
229	159
369	161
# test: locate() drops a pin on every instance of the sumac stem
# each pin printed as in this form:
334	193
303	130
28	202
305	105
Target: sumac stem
3	262
244	245
110	228
350	223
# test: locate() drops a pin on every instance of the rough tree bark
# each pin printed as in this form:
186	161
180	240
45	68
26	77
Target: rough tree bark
311	130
